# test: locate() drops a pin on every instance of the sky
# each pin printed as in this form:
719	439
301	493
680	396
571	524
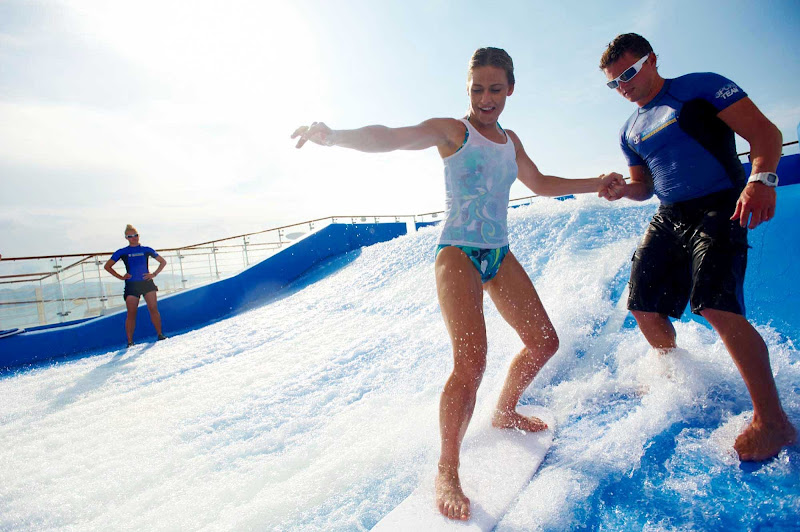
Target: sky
175	116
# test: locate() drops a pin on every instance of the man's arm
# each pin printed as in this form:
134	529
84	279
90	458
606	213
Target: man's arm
549	185
757	201
640	187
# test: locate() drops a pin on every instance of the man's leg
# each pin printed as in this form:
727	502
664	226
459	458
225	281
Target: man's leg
657	329
770	429
719	261
660	282
460	293
516	299
132	304
152	305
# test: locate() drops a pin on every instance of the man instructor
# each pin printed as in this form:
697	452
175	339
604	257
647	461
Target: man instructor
680	146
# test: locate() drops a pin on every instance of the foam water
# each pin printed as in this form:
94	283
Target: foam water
319	410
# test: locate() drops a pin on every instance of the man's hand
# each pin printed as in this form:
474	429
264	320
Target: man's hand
126	277
756	204
317	132
148	276
612	186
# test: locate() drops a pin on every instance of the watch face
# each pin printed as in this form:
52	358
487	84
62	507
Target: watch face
768	178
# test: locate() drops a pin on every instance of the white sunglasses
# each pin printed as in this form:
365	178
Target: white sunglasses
629	73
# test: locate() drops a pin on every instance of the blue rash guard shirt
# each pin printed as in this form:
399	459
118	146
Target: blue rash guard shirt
689	151
135	259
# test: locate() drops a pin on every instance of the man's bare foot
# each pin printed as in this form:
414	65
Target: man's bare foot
513	420
760	441
450	499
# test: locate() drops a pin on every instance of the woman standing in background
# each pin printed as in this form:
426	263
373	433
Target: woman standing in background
138	280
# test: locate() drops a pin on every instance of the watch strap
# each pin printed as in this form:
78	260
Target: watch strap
768	178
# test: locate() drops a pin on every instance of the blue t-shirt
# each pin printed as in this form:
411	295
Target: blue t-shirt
689	151
135	259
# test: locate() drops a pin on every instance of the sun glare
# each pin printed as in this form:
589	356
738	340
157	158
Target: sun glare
223	84
234	59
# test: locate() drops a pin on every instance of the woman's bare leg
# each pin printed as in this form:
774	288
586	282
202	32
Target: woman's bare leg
516	299
460	293
132	304
152	305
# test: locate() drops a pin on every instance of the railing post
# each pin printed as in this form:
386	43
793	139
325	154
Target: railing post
172	268
86	296
64	312
180	263
214	252
246	258
40	305
103	298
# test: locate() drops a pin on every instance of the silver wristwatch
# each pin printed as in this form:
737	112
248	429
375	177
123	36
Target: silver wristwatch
768	178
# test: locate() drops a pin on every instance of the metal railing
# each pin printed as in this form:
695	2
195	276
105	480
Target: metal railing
55	289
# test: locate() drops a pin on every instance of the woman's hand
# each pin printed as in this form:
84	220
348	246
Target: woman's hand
317	132
612	186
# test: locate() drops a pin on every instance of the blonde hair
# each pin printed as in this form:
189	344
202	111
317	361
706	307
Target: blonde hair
496	57
129	227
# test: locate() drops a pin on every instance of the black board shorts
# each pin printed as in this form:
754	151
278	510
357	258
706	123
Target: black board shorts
139	288
691	252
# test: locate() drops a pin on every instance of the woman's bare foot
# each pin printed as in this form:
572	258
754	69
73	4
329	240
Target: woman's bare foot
450	499
760	441
513	420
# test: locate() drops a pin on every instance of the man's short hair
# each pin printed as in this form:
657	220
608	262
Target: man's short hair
627	42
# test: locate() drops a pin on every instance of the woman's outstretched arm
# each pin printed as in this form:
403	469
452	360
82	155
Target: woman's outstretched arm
439	132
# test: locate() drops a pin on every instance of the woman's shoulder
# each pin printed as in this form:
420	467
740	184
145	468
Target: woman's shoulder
121	251
451	129
514	138
446	124
446	120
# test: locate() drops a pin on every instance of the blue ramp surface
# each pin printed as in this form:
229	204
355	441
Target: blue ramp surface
198	306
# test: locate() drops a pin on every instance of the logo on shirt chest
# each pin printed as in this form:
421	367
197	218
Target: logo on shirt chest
659	124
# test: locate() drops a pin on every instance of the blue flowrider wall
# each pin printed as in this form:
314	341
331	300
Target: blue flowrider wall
198	306
772	282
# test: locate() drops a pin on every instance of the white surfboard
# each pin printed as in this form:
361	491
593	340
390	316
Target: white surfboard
496	465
